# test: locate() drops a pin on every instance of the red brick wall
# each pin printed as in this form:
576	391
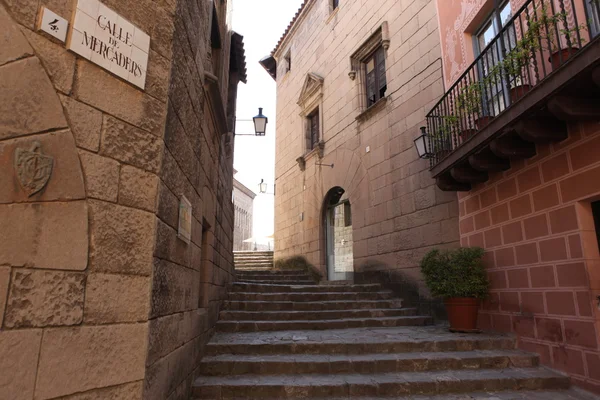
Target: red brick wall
535	222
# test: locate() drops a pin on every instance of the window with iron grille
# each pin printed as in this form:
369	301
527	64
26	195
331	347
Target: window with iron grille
375	77
313	126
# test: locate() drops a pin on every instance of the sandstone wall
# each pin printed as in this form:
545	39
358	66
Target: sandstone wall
98	298
397	212
536	223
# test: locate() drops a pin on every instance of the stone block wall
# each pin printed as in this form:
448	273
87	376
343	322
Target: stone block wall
536	223
98	297
398	214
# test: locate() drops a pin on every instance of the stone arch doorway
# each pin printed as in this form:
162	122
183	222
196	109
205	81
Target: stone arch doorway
337	215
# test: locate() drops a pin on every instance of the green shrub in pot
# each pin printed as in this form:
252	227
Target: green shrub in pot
460	278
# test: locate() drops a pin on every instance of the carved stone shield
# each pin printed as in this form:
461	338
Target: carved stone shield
33	168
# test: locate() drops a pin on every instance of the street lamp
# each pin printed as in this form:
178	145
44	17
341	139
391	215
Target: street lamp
262	187
260	125
423	144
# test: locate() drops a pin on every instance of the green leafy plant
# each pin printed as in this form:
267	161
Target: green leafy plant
456	273
442	136
469	98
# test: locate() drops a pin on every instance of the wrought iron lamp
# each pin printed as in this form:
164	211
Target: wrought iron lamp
260	125
423	144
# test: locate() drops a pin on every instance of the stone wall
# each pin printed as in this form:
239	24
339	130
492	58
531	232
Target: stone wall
536	223
97	294
398	214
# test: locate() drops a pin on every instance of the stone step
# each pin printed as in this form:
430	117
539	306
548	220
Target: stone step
267	275
264	326
571	394
233	364
253	263
281	288
311	306
314	315
355	341
377	384
293	282
310	296
287	272
253	269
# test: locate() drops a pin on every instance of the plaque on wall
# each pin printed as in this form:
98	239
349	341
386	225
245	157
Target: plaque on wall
53	24
185	220
105	38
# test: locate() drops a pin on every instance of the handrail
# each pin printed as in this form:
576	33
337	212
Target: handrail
537	40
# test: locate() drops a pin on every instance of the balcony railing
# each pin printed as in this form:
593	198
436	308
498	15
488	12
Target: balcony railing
539	39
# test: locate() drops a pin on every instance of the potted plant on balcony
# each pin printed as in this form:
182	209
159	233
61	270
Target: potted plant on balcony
441	138
459	277
514	65
551	32
470	102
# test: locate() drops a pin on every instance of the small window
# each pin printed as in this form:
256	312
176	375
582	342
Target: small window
335	4
288	61
376	80
313	129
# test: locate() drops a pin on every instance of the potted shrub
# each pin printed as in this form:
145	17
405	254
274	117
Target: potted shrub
441	139
469	102
459	277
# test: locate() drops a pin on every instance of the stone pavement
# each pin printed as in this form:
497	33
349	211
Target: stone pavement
278	340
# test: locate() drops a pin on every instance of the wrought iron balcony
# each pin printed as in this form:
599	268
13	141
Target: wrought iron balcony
533	46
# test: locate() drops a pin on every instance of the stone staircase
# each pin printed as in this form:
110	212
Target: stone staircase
253	260
280	337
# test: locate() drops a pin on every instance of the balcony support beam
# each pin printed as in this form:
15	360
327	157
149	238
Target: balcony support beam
596	76
512	146
466	174
542	129
568	108
448	184
486	161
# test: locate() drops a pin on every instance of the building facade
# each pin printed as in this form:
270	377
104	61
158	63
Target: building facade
517	134
116	170
354	83
243	203
507	94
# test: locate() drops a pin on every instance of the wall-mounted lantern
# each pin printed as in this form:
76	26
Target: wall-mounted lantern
262	187
260	125
423	144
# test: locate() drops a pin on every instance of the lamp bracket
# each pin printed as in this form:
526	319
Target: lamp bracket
325	165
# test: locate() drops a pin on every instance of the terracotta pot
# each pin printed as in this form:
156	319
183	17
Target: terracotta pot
558	58
482	122
441	154
462	313
466	134
519	91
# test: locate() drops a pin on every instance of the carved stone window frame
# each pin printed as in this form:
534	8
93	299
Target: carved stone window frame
380	38
311	99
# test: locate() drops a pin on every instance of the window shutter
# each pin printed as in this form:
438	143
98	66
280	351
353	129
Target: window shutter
380	56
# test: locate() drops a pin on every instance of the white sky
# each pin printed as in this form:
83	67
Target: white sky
261	22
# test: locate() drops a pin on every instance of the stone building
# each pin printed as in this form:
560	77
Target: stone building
349	181
116	228
523	153
243	203
508	95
